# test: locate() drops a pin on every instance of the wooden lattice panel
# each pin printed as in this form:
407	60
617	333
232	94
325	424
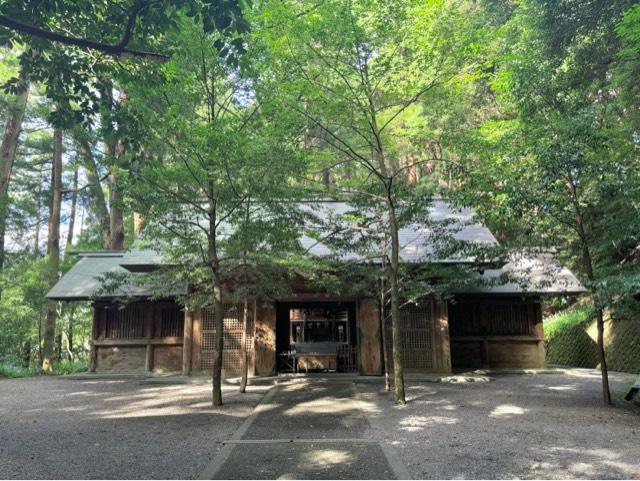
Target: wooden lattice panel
126	323
416	337
492	317
232	338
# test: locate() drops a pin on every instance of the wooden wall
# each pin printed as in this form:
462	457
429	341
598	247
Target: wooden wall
202	337
144	336
369	338
265	340
496	332
424	337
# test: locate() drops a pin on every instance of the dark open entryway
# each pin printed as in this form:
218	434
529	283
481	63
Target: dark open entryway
316	336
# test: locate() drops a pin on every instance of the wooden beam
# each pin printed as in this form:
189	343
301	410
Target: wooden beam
93	350
148	362
141	341
187	345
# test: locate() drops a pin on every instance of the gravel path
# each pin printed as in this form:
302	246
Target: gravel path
544	426
51	427
531	426
305	430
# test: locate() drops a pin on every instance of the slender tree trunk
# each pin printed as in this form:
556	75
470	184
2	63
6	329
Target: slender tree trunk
245	357
587	263
117	215
53	250
114	149
218	346
218	307
70	334
26	354
96	194
36	242
394	264
383	319
138	222
73	208
8	149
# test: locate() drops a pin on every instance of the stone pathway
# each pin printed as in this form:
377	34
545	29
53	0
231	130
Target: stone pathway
306	430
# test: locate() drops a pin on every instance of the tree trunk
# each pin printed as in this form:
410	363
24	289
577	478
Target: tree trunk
26	354
36	242
96	194
138	222
218	307
398	370
8	149
587	263
218	346
70	334
117	216
245	357
73	208
53	250
114	149
383	320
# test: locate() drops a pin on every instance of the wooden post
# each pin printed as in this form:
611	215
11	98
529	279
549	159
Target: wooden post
368	323
187	345
148	362
442	342
265	340
93	354
149	331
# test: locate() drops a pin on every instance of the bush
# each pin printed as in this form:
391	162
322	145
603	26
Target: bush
70	367
576	316
11	371
568	343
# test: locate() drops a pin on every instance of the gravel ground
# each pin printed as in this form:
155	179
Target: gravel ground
529	426
57	428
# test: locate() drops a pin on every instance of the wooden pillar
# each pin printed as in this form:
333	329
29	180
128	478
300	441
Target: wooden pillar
265	340
148	362
196	339
149	331
187	345
370	338
93	350
538	331
442	343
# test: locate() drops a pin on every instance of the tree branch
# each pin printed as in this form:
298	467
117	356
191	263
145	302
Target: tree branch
119	49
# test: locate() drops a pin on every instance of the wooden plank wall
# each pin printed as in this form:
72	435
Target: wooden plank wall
369	338
496	332
142	336
265	340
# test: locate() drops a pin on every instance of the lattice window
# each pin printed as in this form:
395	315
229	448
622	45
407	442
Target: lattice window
126	323
479	318
416	337
231	334
171	322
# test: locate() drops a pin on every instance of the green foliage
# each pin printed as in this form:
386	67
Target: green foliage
12	371
579	316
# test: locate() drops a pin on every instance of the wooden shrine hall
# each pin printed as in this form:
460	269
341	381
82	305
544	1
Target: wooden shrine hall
491	323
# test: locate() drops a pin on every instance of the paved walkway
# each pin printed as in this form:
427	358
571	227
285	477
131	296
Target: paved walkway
306	430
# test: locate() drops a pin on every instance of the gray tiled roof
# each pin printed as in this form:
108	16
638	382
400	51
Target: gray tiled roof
83	280
522	274
418	241
527	273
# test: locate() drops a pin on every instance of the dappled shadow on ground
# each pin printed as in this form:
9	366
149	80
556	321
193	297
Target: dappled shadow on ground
533	426
59	428
311	409
334	460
